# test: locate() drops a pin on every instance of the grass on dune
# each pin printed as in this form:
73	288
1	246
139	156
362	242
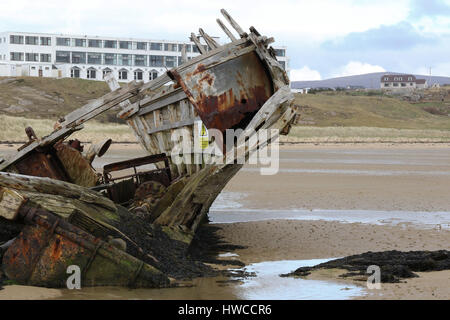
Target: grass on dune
338	109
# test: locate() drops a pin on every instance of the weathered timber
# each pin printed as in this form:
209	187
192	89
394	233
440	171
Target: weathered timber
212	44
55	187
226	30
200	47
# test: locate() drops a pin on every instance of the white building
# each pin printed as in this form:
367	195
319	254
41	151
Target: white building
402	82
91	57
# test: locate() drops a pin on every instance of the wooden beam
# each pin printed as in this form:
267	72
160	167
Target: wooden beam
55	187
197	43
226	30
184	58
209	41
234	24
177	96
174	125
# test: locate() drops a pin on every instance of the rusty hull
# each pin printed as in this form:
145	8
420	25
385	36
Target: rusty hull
48	245
227	95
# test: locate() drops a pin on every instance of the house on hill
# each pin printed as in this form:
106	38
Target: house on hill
402	82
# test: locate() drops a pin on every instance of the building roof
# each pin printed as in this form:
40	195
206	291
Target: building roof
398	78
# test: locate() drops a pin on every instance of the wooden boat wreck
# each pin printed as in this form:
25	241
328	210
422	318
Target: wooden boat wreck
71	214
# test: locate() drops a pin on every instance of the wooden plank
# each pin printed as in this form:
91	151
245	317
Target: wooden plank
56	187
209	41
100	105
169	126
50	139
10	203
197	43
177	96
233	23
184	58
226	30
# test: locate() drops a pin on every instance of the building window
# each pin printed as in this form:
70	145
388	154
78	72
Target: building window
110	44
123	74
411	84
46	41
152	75
156	46
16	56
31	40
106	71
386	84
78	57
110	58
283	64
94	58
125	44
141	45
403	84
63	42
94	43
63	56
79	42
170	47
91	73
75	72
171	61
138	75
188	47
409	78
395	84
157	61
140	60
34	57
386	79
16	39
280	52
124	59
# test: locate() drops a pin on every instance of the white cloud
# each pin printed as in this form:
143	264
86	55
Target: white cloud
355	67
304	74
288	19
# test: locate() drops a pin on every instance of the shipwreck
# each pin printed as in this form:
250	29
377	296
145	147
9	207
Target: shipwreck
66	213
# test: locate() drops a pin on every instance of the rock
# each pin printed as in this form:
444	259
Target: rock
394	265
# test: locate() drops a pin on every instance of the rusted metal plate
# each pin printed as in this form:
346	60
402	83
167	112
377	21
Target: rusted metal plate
227	95
47	246
41	164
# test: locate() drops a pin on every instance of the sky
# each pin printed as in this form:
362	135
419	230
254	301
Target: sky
324	39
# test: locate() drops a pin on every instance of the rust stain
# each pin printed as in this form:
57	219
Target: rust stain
56	249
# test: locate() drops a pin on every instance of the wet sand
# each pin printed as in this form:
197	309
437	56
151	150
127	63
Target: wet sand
345	177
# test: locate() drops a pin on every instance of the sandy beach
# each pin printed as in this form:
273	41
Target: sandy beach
315	208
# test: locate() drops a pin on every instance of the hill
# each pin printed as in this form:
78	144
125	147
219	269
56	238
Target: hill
48	98
347	109
369	80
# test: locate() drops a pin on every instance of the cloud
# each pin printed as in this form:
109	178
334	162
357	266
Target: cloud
420	8
288	19
401	36
355	67
304	74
